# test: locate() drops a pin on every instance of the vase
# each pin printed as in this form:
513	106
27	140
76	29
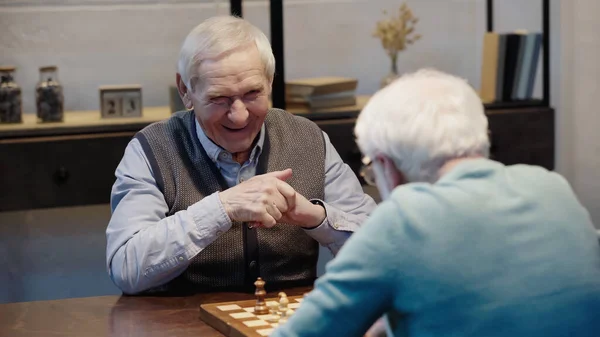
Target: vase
392	75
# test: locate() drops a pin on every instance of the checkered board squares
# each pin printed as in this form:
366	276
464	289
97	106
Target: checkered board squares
239	315
265	332
229	307
240	319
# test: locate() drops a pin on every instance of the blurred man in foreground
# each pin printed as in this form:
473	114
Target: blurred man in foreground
462	245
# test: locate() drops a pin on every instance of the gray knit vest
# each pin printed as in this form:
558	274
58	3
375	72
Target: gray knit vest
283	255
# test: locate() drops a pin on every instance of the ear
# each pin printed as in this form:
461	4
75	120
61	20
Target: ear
396	177
184	92
270	85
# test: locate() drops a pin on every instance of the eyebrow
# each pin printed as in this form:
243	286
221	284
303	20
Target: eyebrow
213	94
219	93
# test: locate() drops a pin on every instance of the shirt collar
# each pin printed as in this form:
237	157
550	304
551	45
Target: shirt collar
214	151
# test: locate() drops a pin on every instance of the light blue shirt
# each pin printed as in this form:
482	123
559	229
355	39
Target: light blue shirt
146	249
489	250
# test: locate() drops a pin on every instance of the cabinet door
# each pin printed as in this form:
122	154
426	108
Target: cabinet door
341	134
519	137
59	171
525	137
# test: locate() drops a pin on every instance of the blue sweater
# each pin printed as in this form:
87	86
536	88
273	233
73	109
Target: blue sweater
488	250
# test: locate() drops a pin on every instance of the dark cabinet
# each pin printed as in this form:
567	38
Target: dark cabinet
43	171
59	171
341	135
523	136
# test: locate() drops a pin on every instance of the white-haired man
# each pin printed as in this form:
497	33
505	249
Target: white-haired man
229	189
469	246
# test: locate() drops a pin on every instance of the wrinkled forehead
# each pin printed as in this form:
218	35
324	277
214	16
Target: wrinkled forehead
242	66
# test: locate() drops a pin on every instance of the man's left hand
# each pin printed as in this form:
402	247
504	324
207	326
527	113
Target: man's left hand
303	213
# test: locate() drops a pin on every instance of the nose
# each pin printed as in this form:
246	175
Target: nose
238	113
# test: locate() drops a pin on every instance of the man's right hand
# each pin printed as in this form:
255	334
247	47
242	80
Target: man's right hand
263	198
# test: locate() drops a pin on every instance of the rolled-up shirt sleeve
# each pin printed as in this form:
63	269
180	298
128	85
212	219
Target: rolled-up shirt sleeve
146	248
347	206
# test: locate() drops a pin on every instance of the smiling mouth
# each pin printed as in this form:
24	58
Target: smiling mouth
234	130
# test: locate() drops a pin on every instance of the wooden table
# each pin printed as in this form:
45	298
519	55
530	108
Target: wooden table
115	316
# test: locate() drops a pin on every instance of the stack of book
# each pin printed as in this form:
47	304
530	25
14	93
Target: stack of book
509	66
321	93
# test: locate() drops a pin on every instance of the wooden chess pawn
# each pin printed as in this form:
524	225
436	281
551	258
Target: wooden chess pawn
260	308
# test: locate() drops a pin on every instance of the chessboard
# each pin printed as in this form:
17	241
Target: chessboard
237	318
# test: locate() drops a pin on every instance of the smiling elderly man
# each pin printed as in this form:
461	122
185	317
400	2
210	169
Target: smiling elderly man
230	190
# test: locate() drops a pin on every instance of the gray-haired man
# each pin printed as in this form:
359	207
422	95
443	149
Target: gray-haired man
216	196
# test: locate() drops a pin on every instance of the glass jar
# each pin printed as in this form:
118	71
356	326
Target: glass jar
49	96
10	97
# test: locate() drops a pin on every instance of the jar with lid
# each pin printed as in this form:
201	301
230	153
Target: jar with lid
10	97
49	96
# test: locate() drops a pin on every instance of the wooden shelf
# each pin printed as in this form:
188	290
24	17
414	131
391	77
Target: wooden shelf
78	122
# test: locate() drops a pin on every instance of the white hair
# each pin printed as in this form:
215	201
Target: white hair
219	35
422	120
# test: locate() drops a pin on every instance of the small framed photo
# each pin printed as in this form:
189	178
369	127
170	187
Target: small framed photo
120	101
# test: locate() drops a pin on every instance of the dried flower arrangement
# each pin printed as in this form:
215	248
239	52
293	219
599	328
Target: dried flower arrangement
396	33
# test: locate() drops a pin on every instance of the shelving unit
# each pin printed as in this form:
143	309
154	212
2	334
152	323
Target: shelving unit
521	131
545	100
277	32
277	42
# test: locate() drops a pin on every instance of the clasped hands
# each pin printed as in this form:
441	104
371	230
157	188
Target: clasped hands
267	199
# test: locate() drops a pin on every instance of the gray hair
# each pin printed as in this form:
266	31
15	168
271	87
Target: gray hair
422	120
218	35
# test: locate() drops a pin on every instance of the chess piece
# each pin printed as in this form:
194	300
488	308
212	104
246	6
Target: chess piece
273	313
283	307
273	309
260	308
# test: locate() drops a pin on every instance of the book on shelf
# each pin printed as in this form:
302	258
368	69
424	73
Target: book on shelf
509	66
345	98
320	85
321	92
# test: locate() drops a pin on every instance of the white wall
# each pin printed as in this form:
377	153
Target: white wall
579	27
54	253
98	42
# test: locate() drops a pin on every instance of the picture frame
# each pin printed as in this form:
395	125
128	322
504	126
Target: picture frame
120	101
